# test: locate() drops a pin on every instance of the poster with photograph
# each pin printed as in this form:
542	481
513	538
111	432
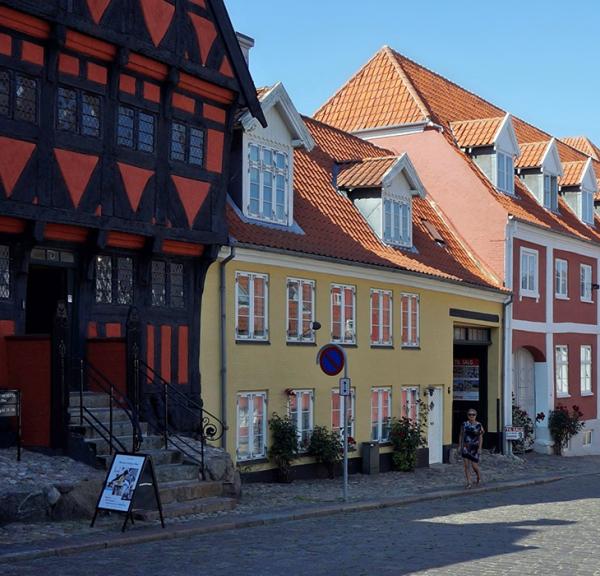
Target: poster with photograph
121	482
466	379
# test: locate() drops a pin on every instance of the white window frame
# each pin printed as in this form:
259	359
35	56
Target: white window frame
380	428
410	309
550	191
409	402
561	279
528	263
251	454
296	415
263	168
585	283
587	206
301	334
384	318
585	370
335	397
347	325
587	437
396	219
561	370
505	172
252	277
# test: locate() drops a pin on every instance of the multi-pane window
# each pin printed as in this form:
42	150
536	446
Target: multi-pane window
506	179
114	280
300	407
586	369
409	319
561	369
343	299
135	129
397	221
561	277
410	403
251	299
18	96
381	413
585	282
78	112
269	181
251	425
529	272
4	272
187	144
337	415
300	310
551	192
587	206
167	284
381	317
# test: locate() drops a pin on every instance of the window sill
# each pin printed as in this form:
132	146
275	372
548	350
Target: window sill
383	346
533	295
585	301
587	393
346	344
264	342
257	460
563	395
410	347
561	297
299	343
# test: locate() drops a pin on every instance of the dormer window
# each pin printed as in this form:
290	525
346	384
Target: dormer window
268	171
587	206
397	221
505	173
578	185
551	192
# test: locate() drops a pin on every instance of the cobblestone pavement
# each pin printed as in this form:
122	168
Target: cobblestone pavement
264	497
546	529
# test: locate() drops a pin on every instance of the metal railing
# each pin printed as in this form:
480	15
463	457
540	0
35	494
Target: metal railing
205	424
89	375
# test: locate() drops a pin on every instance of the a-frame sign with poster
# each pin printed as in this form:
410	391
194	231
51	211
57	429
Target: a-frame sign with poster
127	473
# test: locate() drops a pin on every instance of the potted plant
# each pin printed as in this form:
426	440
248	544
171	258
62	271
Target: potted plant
563	425
284	445
407	436
325	446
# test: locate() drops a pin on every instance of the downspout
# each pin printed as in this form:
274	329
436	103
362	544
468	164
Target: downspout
223	341
507	341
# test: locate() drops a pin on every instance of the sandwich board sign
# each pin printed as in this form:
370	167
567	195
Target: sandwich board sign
125	476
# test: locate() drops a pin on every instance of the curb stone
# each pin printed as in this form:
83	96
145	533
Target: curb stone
103	541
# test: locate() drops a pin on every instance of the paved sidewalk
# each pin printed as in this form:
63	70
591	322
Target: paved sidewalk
268	503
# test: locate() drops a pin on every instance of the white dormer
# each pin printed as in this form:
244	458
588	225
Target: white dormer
506	149
578	186
382	189
268	159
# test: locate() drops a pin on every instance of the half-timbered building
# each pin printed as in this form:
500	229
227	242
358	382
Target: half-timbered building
115	126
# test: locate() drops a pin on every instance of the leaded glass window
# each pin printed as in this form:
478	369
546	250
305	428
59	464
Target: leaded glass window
124	281
4	93
196	146
176	285
187	144
78	112
4	272
67	110
90	116
159	291
146	132
178	142
135	129
26	99
125	127
104	280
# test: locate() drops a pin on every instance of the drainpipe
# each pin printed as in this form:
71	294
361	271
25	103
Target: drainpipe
507	341
223	341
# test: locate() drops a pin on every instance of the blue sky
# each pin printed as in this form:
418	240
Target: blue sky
536	59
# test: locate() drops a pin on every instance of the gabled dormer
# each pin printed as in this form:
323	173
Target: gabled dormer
578	186
492	144
382	189
539	167
263	177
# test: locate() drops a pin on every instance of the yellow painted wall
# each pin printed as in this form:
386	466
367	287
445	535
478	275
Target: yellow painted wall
276	365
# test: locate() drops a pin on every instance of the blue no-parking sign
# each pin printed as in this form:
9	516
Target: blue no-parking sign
331	359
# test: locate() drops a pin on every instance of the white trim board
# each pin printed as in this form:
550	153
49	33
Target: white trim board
555	327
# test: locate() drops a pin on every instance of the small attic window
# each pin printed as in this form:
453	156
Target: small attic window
505	179
587	206
551	192
397	221
433	232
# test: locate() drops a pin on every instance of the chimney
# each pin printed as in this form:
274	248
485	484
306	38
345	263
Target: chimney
246	43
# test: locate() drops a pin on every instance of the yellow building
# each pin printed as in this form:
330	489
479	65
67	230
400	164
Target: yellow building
331	229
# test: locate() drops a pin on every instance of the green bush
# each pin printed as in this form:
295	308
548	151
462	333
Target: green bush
283	449
326	447
407	436
521	418
564	424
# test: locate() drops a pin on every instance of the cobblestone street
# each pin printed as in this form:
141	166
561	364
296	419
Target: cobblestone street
547	529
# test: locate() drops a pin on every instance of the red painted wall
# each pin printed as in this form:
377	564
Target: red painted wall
587	404
535	342
7	328
573	309
525	307
108	355
29	371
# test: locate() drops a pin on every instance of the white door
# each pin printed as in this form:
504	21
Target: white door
435	434
523	381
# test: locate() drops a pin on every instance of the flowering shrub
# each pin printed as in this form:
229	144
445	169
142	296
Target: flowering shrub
326	447
407	436
564	424
522	419
284	443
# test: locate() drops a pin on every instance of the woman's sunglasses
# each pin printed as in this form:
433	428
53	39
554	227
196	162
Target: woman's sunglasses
472	414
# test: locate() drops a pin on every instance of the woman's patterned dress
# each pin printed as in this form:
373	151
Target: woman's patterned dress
471	438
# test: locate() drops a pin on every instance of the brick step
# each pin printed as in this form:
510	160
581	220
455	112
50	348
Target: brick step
175	509
183	490
149	443
102	414
177	472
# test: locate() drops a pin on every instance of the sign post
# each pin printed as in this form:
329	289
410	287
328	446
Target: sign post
10	407
332	359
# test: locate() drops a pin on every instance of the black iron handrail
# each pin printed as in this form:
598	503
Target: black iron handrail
209	426
116	399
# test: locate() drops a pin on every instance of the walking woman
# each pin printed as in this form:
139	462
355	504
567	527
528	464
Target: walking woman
471	441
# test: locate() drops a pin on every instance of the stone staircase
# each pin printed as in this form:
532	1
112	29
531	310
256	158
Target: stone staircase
182	490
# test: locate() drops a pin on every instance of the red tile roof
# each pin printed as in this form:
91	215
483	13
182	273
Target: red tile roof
532	154
572	173
367	173
331	226
474	133
583	144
